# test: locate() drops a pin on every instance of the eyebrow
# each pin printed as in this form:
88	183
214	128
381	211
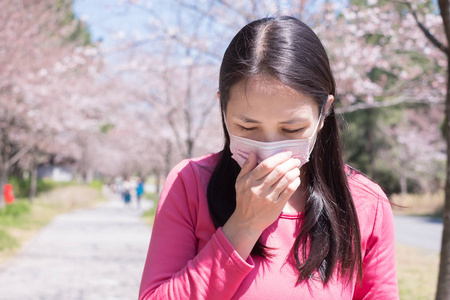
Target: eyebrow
247	120
293	121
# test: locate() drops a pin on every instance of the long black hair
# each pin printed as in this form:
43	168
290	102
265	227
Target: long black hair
288	51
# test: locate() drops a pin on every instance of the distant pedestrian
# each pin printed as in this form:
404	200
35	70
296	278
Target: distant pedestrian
139	191
127	187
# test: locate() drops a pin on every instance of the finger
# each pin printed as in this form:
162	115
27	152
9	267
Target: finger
282	169
289	190
285	182
249	165
267	165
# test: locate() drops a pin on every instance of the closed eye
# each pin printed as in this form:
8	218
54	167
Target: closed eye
292	131
246	128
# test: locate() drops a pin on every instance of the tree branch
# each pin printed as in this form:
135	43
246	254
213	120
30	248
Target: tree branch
424	29
247	17
212	17
18	155
382	104
178	139
203	118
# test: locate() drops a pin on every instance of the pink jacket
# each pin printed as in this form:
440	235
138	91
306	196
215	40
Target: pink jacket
189	259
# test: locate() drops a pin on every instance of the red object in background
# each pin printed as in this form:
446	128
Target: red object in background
8	193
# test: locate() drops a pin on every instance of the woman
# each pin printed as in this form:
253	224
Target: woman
276	213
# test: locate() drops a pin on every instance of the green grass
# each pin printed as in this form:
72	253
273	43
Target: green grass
21	220
149	215
429	205
15	212
417	272
7	242
96	184
21	187
13	217
417	269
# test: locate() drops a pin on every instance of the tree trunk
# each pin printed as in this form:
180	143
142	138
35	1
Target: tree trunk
33	185
443	289
3	165
3	178
167	159
369	132
190	147
158	181
188	113
403	185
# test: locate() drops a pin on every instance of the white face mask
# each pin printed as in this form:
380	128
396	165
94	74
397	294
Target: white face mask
301	148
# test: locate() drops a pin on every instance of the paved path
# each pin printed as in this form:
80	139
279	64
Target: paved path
94	254
421	232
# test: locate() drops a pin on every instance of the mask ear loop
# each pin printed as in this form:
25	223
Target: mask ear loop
226	124
315	133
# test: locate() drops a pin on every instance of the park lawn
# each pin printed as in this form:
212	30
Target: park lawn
417	269
21	221
149	215
430	205
417	272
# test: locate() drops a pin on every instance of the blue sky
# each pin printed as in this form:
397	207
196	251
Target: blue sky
106	18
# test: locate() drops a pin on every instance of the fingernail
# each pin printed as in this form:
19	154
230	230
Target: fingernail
288	153
297	161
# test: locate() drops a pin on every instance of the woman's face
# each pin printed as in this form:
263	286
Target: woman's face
263	109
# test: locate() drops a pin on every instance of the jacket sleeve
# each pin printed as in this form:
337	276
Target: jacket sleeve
174	269
379	273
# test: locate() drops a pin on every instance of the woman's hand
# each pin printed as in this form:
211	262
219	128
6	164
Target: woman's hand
261	194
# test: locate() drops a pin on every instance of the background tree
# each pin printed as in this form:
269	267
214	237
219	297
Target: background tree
381	60
45	55
443	289
140	107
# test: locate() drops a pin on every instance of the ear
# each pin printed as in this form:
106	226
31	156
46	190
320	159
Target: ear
329	104
220	101
326	110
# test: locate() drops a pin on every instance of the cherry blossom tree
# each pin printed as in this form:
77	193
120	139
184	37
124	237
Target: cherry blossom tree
177	73
379	57
441	42
416	148
382	64
180	86
41	49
